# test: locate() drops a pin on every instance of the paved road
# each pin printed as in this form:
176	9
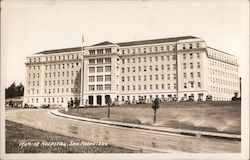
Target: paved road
148	141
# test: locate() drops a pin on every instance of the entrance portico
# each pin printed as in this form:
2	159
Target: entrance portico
97	100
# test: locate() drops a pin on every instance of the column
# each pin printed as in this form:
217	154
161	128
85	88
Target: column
94	100
103	100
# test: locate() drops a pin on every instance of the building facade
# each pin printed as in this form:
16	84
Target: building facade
171	68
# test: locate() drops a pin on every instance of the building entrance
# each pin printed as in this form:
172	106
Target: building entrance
99	100
90	100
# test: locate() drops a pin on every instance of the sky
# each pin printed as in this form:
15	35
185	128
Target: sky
32	26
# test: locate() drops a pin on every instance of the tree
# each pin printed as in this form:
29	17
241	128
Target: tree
14	91
108	102
155	106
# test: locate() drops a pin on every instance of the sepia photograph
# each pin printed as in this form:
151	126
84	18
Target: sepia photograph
124	79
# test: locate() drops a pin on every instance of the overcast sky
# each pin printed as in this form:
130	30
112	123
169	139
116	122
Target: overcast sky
29	27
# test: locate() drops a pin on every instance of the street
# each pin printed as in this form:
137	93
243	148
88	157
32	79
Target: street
147	141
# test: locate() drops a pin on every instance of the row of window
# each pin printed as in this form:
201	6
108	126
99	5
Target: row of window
54	82
59	74
223	82
61	66
223	90
223	65
158	49
99	69
222	73
99	78
99	87
158	86
222	56
100	51
49	100
159	76
55	58
100	61
54	90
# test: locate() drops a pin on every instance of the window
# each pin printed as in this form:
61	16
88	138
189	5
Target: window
199	84
198	65
133	78
99	69
185	85
100	51
99	78
100	61
184	66
108	50
139	78
108	60
145	78
145	59
128	78
145	68
150	68
174	66
150	59
128	69
198	74
168	86
184	75
123	70
122	88
156	59
150	77
91	61
156	77
139	60
128	60
174	75
162	86
184	56
191	56
174	85
139	87
150	86
168	75
162	67
162	76
198	55
107	68
145	87
99	87
128	88
91	87
191	75
192	84
91	78
190	46
197	45
139	69
107	77
168	67
107	86
156	86
191	65
162	58
91	69
156	68
133	69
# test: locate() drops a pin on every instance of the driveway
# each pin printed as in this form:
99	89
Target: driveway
148	141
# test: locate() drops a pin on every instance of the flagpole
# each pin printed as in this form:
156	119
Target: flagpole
82	70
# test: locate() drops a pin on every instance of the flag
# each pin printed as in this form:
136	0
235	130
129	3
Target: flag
82	38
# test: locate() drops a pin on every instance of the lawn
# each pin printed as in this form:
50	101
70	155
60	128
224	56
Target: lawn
222	117
37	142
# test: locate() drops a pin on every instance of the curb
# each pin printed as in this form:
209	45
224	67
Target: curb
152	128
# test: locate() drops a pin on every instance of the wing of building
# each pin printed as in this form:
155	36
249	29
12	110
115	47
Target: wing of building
170	68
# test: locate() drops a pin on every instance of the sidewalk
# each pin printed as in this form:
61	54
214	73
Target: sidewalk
151	128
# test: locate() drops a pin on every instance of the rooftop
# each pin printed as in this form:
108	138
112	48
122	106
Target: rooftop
121	44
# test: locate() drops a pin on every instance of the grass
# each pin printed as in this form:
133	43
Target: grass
222	117
17	133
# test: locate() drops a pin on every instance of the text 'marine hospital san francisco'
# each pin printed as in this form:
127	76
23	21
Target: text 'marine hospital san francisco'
170	68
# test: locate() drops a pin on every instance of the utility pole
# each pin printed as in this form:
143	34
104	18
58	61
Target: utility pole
82	68
177	80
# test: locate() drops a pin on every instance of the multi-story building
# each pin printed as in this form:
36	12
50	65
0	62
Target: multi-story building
180	68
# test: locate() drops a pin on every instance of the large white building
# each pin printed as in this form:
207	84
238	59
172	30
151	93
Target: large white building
179	67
